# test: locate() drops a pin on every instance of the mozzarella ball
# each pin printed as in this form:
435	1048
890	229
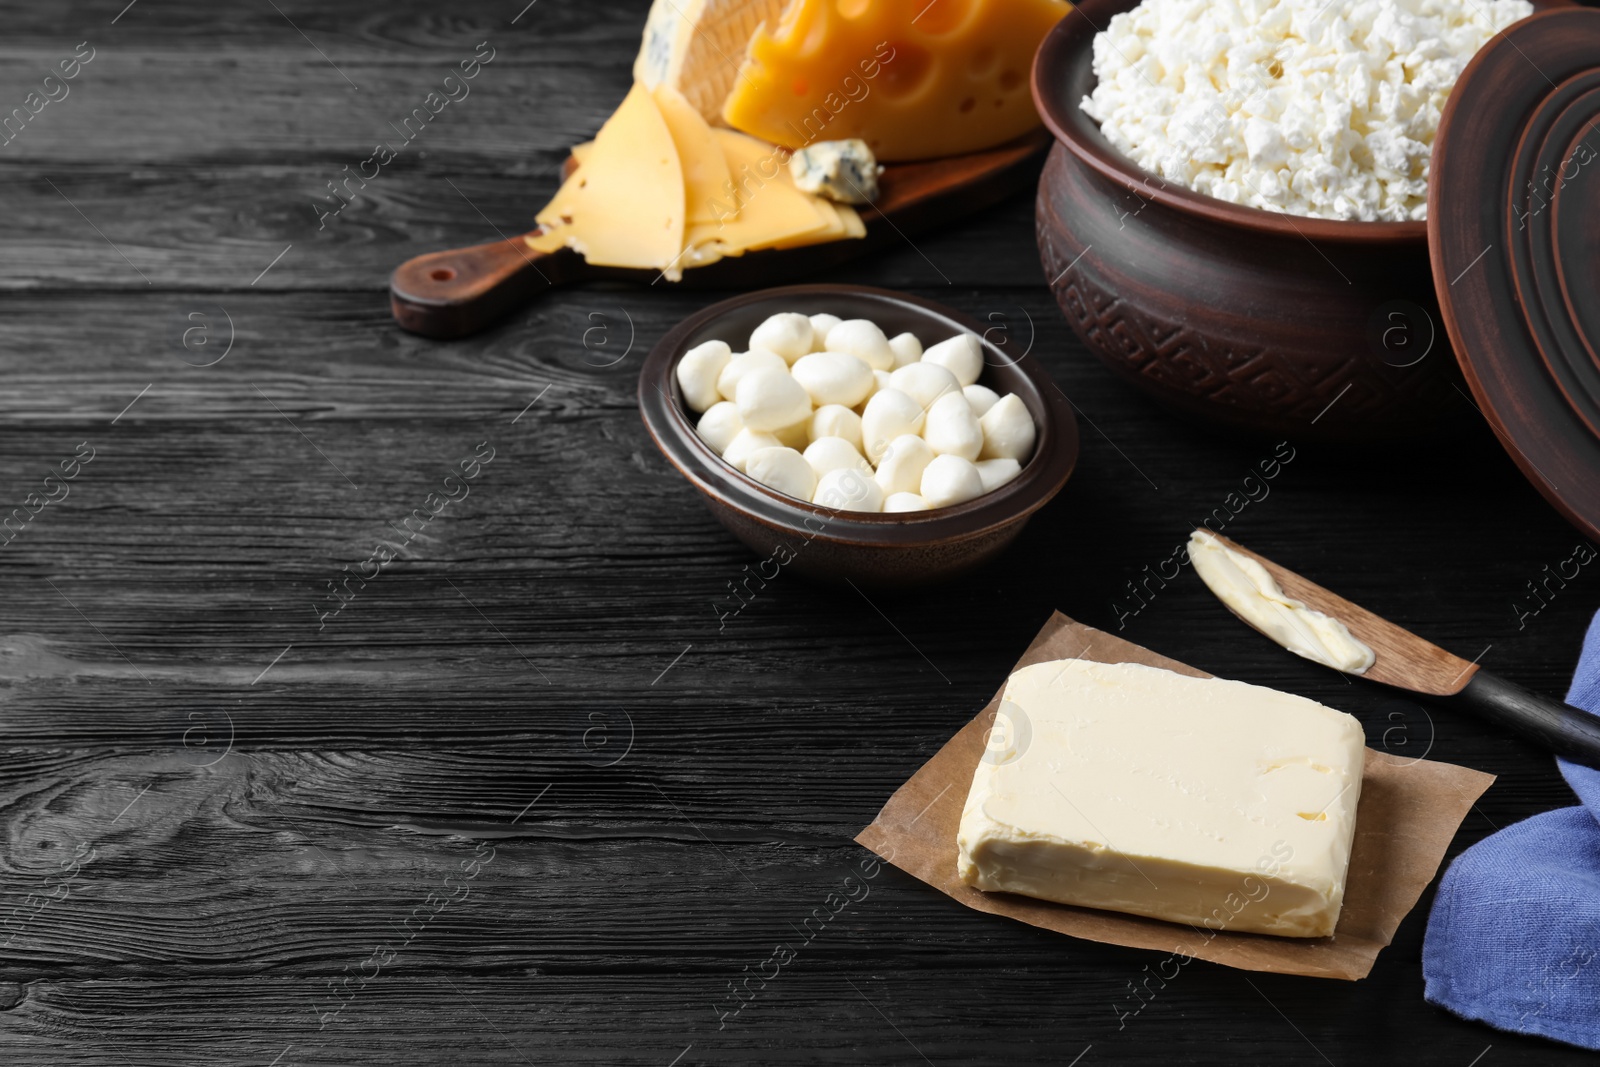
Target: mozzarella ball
889	413
746	443
788	334
900	470
719	425
831	420
905	502
796	435
981	397
770	398
742	364
698	371
1008	430
924	382
997	472
848	490
950	480
834	378
820	325
961	356
951	429
827	454
783	469
906	348
862	339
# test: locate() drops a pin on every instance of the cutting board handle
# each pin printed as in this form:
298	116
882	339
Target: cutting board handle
458	292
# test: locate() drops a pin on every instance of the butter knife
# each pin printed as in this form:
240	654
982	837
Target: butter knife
1398	657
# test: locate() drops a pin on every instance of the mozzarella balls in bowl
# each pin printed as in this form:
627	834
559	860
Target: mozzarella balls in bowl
837	414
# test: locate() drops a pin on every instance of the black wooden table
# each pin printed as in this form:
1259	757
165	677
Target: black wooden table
520	798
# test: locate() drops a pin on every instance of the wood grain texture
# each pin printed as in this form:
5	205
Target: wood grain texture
314	81
885	1014
578	585
216	225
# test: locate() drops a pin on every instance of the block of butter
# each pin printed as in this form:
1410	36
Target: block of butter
1196	800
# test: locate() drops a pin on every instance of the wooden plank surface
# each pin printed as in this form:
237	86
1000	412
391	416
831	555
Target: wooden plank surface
214	227
230	821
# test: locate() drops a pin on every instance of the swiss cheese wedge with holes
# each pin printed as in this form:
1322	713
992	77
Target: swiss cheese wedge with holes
915	79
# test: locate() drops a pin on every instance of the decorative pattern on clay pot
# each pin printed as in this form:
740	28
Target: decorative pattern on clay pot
1377	373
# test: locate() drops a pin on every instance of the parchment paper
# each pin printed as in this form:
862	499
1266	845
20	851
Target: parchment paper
1408	813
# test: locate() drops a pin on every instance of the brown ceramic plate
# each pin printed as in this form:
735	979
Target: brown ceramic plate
877	549
1516	248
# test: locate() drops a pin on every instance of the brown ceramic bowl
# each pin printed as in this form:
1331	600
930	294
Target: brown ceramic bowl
1245	319
794	536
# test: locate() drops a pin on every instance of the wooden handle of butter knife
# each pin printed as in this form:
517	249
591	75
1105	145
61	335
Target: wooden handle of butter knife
458	292
1561	728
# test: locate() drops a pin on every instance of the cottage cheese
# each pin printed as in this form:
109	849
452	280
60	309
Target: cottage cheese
1324	108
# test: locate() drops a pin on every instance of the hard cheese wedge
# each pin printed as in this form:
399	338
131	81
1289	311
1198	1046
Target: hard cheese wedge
696	46
624	206
915	80
1201	801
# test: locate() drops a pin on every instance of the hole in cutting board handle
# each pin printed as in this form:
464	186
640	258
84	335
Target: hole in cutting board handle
460	291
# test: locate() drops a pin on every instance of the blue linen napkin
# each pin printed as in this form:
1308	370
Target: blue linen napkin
1514	937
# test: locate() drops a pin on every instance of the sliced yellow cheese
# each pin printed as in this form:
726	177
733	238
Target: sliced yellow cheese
770	209
753	158
757	206
696	46
915	79
853	225
711	244
849	226
705	169
835	229
624	206
754	164
557	221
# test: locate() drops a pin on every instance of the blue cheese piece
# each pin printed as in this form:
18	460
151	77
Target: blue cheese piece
845	171
1195	800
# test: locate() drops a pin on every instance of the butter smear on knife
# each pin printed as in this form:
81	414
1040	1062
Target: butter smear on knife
1252	594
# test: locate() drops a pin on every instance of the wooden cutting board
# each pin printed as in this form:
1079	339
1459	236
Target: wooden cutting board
461	291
